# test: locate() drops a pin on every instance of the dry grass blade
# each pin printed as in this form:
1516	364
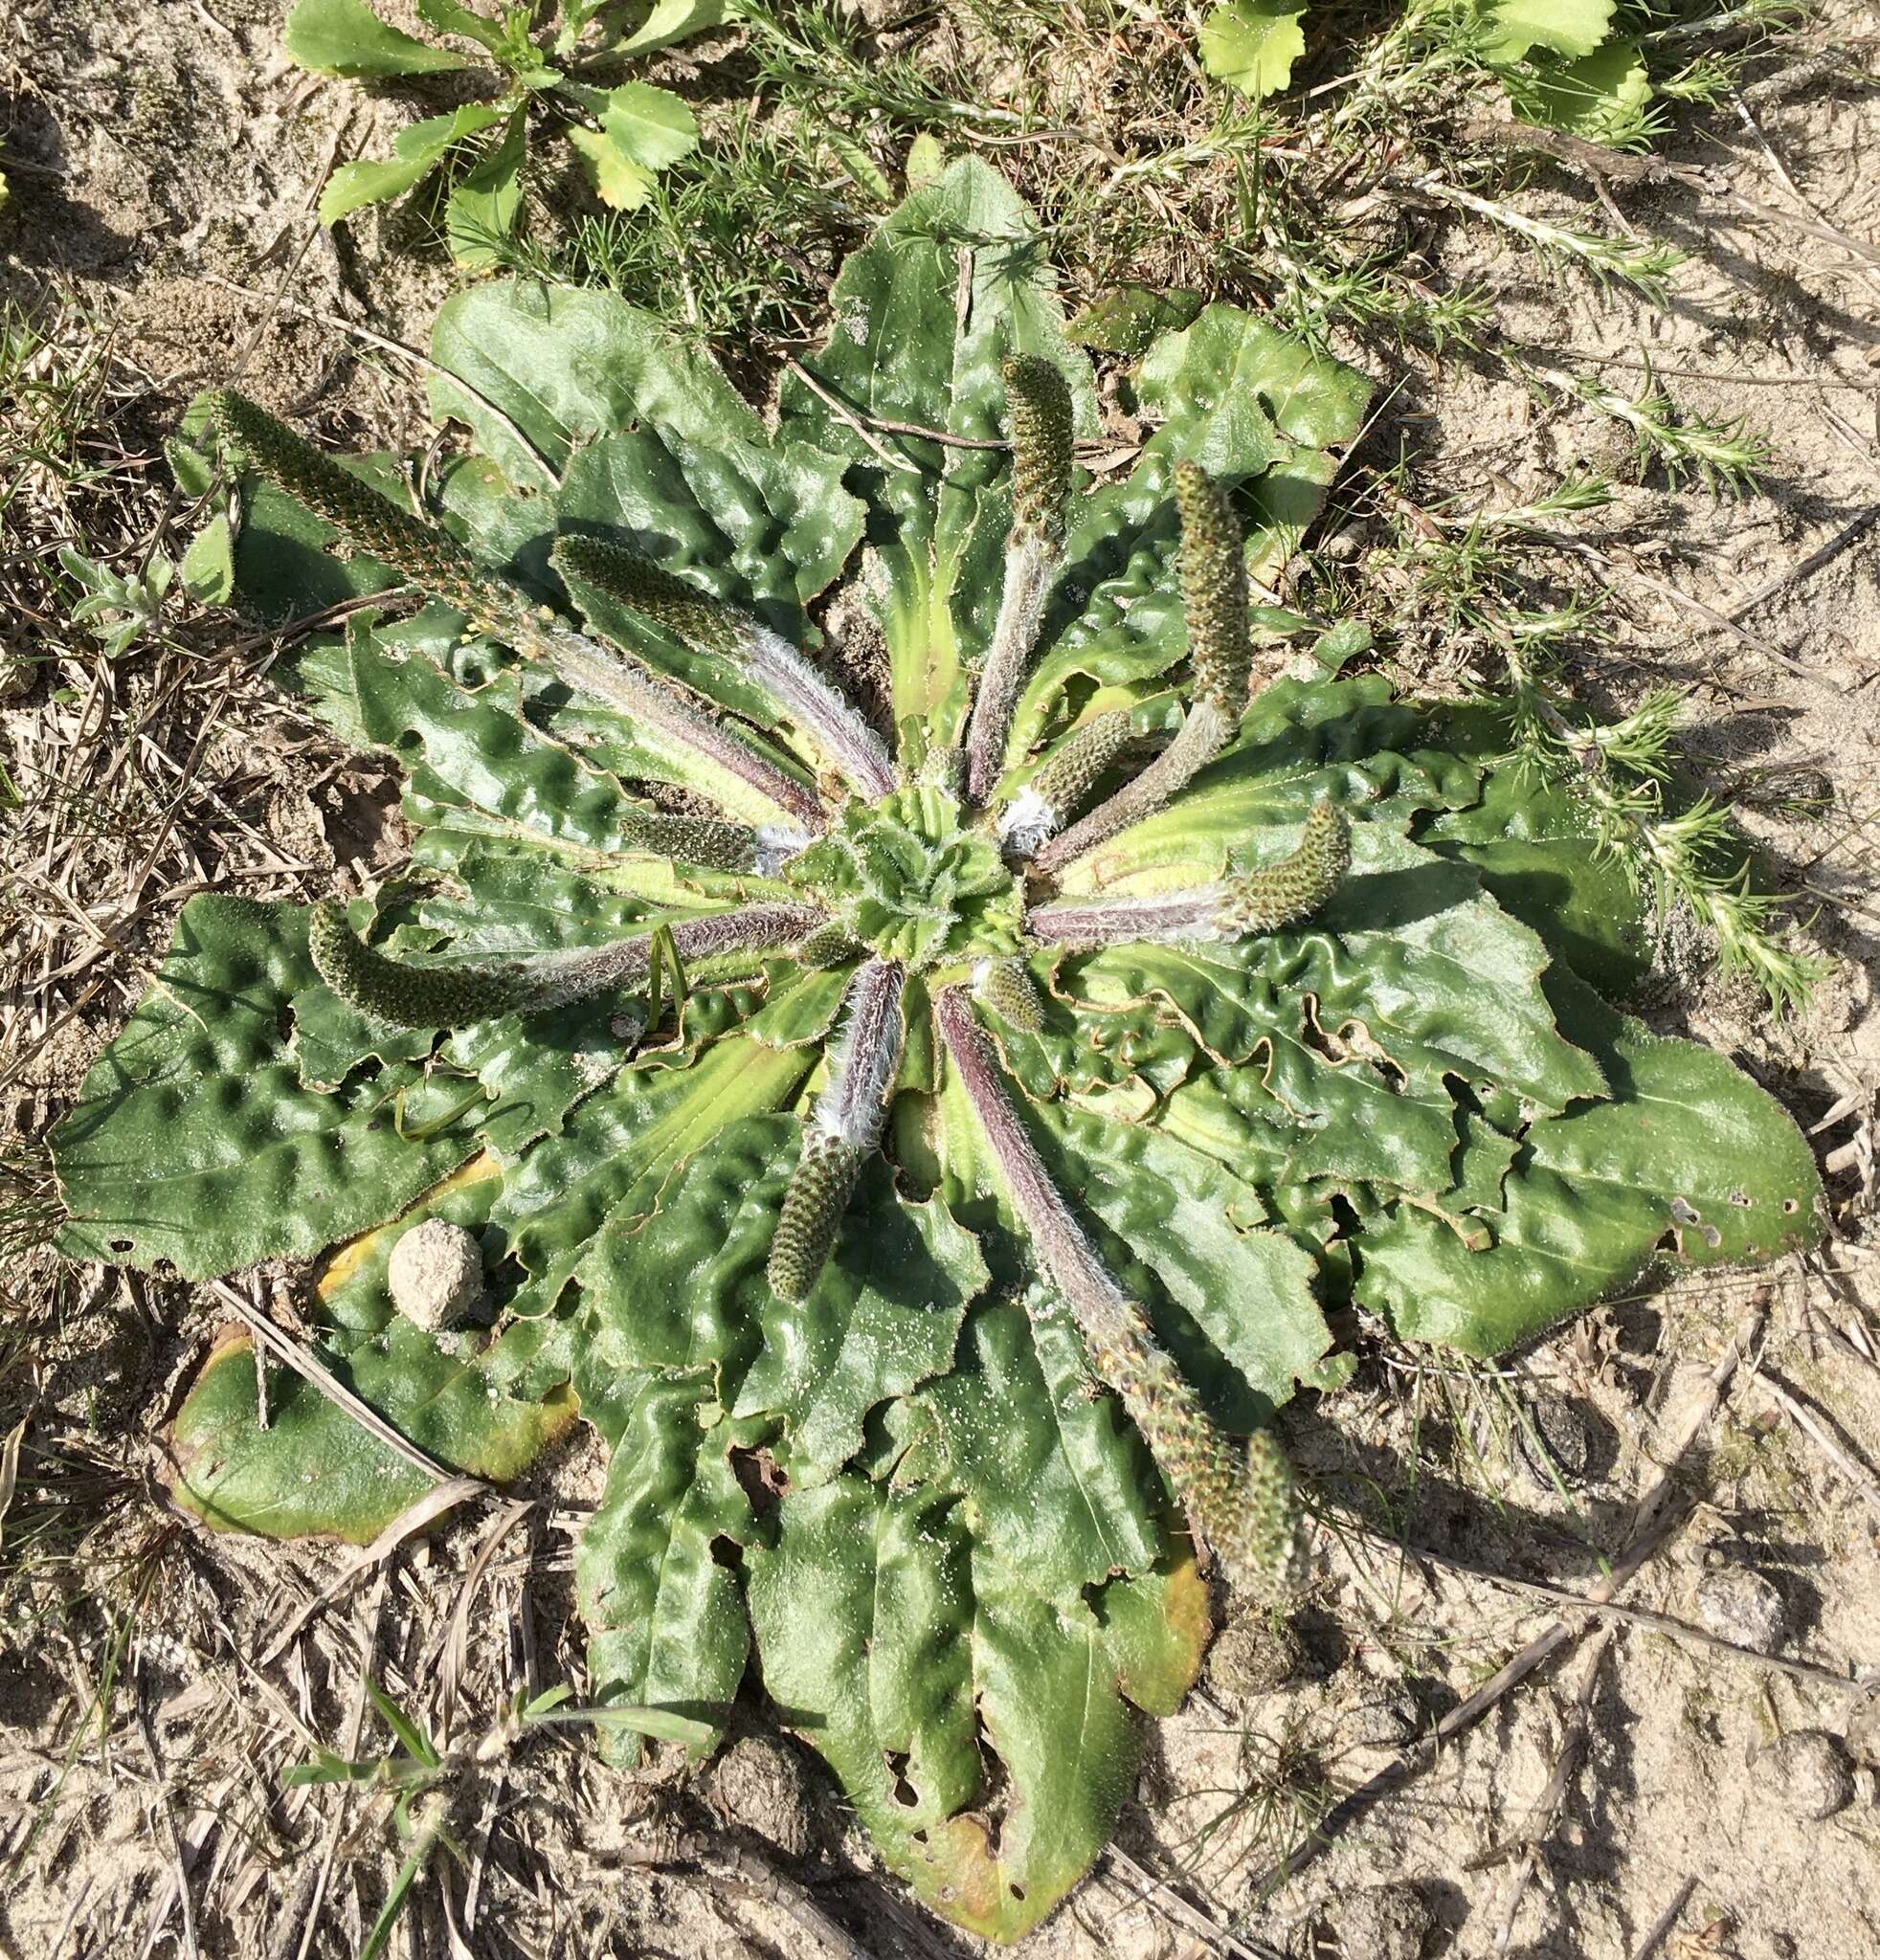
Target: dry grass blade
1555	1795
413	1519
284	1348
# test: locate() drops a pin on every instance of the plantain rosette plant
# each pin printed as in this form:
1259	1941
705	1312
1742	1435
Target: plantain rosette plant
920	1079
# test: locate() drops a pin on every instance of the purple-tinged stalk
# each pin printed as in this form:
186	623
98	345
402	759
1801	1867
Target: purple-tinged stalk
843	1127
436	563
1268	900
1056	794
401	995
1214	586
1039	417
1241	1500
801	691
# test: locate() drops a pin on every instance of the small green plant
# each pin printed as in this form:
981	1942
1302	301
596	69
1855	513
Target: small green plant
925	1146
429	1785
554	61
1590	67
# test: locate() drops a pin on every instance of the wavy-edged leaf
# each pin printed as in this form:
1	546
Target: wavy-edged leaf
901	1649
666	1625
194	1141
1688	1163
954	280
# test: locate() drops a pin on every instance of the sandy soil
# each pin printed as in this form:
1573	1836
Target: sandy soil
1685	1785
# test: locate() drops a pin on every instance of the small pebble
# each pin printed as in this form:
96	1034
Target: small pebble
760	1785
1384	1923
1739	1605
435	1274
1253	1657
1812	1772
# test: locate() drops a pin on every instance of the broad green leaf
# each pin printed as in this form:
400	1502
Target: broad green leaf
313	1471
1540	855
1252	44
893	1639
1601	96
1131	319
674	20
193	1142
1066	1498
452	18
684	1290
1573	27
346	37
418	148
1233	1302
208	567
1687	1164
666	1627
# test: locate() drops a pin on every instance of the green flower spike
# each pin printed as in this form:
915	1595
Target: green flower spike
1011	992
1248	1519
401	995
956	1115
1214	588
847	1125
1059	790
438	565
1039	414
802	691
1268	900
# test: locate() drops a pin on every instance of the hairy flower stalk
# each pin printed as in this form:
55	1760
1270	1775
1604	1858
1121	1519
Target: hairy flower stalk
1055	794
1267	900
401	995
1039	414
843	1127
1214	586
801	691
1240	1501
435	562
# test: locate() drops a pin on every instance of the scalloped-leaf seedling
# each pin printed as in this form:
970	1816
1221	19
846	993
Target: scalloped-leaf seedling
922	998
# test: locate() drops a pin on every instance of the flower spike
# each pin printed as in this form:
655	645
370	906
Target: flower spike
365	517
797	686
1039	414
1240	1501
437	564
1268	900
1213	583
1214	588
1055	793
844	1126
1011	992
401	996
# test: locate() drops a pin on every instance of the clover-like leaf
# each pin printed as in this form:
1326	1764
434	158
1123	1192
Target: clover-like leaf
922	1139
